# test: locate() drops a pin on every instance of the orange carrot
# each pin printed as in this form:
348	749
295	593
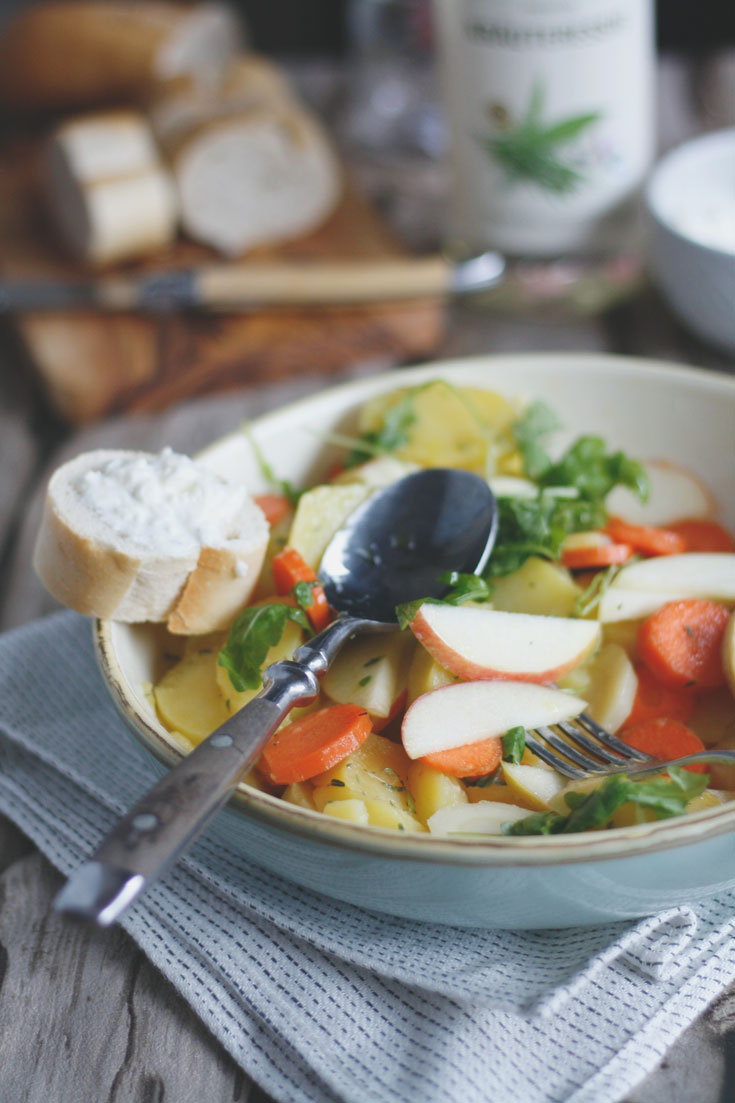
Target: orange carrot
314	743
274	506
654	700
664	738
645	539
703	536
470	760
289	568
681	643
596	555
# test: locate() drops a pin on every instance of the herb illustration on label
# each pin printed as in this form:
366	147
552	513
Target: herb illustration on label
535	151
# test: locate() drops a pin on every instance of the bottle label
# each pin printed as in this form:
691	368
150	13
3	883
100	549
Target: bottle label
550	105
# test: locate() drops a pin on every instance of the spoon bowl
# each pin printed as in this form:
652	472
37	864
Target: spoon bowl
394	548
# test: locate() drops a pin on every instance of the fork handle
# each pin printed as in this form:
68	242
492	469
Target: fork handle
171	815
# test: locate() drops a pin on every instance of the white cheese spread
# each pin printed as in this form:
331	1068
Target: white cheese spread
165	502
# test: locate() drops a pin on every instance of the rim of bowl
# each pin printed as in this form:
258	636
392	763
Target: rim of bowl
550	850
695	149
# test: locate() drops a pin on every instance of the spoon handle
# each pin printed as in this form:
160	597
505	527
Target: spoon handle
171	815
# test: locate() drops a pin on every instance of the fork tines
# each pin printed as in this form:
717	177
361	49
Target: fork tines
582	748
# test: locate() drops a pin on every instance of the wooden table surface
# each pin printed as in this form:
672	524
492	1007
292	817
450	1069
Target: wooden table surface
83	1016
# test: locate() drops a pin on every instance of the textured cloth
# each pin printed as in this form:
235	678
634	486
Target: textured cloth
323	1002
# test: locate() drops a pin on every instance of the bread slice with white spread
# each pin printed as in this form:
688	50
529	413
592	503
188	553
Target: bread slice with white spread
138	536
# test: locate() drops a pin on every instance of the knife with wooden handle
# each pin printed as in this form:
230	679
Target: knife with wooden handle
261	284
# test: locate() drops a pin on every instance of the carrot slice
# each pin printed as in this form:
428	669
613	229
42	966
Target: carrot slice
596	555
274	506
703	536
646	539
664	738
470	760
681	643
314	743
653	700
289	568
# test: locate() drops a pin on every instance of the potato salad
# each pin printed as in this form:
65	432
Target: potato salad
610	590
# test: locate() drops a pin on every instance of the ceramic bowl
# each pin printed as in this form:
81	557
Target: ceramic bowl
649	409
690	201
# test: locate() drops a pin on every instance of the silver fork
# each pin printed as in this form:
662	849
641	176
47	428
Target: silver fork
590	750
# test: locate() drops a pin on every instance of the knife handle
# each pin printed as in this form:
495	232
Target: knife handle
339	282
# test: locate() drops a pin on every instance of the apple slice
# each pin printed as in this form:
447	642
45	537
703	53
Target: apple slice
617	604
613	686
486	817
692	574
478	643
675	494
467	712
728	653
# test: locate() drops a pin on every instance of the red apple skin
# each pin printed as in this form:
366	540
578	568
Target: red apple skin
472	672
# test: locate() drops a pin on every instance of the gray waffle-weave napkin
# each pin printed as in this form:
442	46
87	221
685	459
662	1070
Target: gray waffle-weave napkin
320	1001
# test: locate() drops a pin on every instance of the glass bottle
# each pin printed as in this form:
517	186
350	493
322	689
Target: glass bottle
550	106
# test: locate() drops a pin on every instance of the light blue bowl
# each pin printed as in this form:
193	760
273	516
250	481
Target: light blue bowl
651	410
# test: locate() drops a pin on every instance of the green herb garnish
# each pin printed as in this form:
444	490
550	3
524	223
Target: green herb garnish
514	744
666	796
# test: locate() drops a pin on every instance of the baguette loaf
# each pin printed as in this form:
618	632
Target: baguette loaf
107	189
180	106
136	536
83	53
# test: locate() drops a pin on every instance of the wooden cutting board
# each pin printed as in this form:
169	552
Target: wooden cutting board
91	365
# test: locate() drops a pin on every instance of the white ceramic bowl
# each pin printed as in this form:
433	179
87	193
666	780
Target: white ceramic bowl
690	200
651	410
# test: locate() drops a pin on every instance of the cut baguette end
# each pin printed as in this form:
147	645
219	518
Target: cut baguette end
91	566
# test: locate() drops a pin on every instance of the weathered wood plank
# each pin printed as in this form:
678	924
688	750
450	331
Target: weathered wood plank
83	1016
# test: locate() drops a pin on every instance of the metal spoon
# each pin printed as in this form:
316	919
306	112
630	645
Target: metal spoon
391	550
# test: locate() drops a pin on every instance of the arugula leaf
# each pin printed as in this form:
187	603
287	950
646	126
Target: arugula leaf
537	422
514	744
465	587
666	796
303	593
397	420
587	467
538	526
253	633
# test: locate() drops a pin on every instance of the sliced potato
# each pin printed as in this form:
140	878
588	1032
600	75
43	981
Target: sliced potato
539	587
432	790
378	770
320	513
372	671
612	687
532	786
355	811
426	674
188	698
484	818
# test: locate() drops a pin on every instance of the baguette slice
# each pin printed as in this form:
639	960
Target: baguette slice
107	189
255	178
137	536
81	53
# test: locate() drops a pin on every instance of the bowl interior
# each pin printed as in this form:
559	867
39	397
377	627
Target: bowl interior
651	410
